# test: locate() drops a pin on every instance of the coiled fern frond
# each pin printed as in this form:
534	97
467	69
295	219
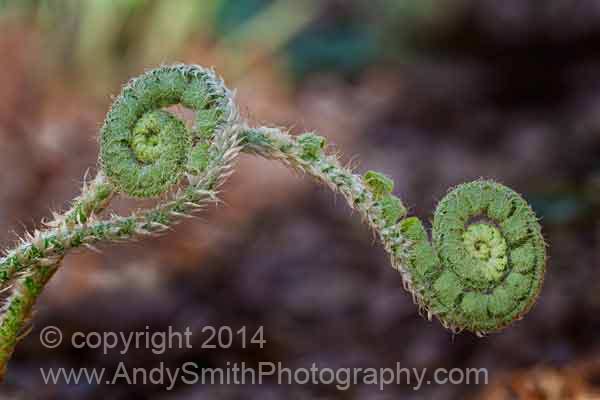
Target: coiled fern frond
483	269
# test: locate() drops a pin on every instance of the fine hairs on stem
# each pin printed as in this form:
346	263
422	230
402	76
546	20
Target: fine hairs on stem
482	269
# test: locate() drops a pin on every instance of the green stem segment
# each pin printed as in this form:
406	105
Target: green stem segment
38	258
482	271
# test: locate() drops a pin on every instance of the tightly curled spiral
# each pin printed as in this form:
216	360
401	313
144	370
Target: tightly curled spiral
145	149
483	270
486	264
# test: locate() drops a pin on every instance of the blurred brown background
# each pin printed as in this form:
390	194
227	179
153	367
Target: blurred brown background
432	93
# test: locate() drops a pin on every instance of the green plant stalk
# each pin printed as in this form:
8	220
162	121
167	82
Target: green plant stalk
483	270
43	244
43	251
58	241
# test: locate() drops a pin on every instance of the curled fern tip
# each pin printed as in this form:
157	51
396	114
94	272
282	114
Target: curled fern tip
486	263
145	149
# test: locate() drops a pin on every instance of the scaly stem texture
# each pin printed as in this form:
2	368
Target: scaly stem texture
483	269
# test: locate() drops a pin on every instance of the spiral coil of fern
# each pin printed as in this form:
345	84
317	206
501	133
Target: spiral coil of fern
483	270
490	244
210	151
144	149
486	264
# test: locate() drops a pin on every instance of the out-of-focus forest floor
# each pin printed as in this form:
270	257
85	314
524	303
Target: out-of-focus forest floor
431	93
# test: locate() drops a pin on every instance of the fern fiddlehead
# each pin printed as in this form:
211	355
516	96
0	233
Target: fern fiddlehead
489	243
483	269
213	147
487	261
